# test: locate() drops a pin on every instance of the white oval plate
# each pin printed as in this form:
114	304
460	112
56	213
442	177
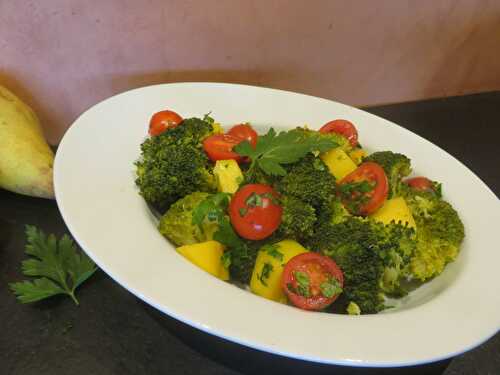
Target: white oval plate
94	184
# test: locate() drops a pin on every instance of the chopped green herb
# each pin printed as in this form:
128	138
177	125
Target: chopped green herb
303	283
243	211
267	268
254	200
330	288
226	259
272	250
271	197
354	194
212	208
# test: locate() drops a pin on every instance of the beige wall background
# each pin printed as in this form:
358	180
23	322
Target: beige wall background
62	56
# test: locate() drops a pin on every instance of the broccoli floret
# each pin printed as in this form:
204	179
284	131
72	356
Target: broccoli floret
177	223
339	139
372	256
174	164
396	166
298	218
399	246
310	181
440	232
332	212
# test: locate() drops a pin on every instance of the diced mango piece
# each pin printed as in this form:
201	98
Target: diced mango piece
217	128
396	210
206	255
357	155
338	162
228	175
271	259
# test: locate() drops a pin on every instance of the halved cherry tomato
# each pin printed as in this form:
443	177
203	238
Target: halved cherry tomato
420	183
162	121
255	212
245	132
220	147
312	281
342	127
365	189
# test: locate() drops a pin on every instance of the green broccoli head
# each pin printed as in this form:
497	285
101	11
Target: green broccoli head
373	257
310	181
298	218
339	139
352	244
174	164
177	223
397	247
440	232
332	212
396	166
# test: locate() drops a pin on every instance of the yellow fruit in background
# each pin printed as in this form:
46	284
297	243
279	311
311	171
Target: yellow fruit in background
26	159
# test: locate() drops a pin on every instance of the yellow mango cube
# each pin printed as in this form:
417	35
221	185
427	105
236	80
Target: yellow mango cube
271	259
338	162
357	155
206	255
228	175
396	210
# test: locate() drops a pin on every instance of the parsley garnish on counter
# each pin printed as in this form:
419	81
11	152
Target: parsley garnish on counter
59	267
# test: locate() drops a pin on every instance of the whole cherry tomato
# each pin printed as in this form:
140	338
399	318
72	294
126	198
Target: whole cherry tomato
244	132
342	127
162	121
255	212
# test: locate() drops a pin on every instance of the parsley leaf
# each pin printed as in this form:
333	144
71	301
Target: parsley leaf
273	150
60	268
212	208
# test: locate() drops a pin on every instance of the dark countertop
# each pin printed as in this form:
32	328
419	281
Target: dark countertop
112	332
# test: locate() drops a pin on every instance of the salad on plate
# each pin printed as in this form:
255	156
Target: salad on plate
302	217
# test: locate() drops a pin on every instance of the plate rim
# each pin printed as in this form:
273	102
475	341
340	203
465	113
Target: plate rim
201	325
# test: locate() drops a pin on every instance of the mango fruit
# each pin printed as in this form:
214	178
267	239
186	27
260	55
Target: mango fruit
338	162
396	210
26	160
228	175
271	259
206	255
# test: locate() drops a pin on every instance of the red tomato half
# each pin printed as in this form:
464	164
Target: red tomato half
244	132
365	189
342	127
220	147
254	211
312	281
162	121
420	183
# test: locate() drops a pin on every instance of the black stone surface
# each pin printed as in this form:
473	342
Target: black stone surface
112	332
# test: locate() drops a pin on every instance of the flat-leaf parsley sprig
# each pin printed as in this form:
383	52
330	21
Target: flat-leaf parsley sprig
59	267
275	149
